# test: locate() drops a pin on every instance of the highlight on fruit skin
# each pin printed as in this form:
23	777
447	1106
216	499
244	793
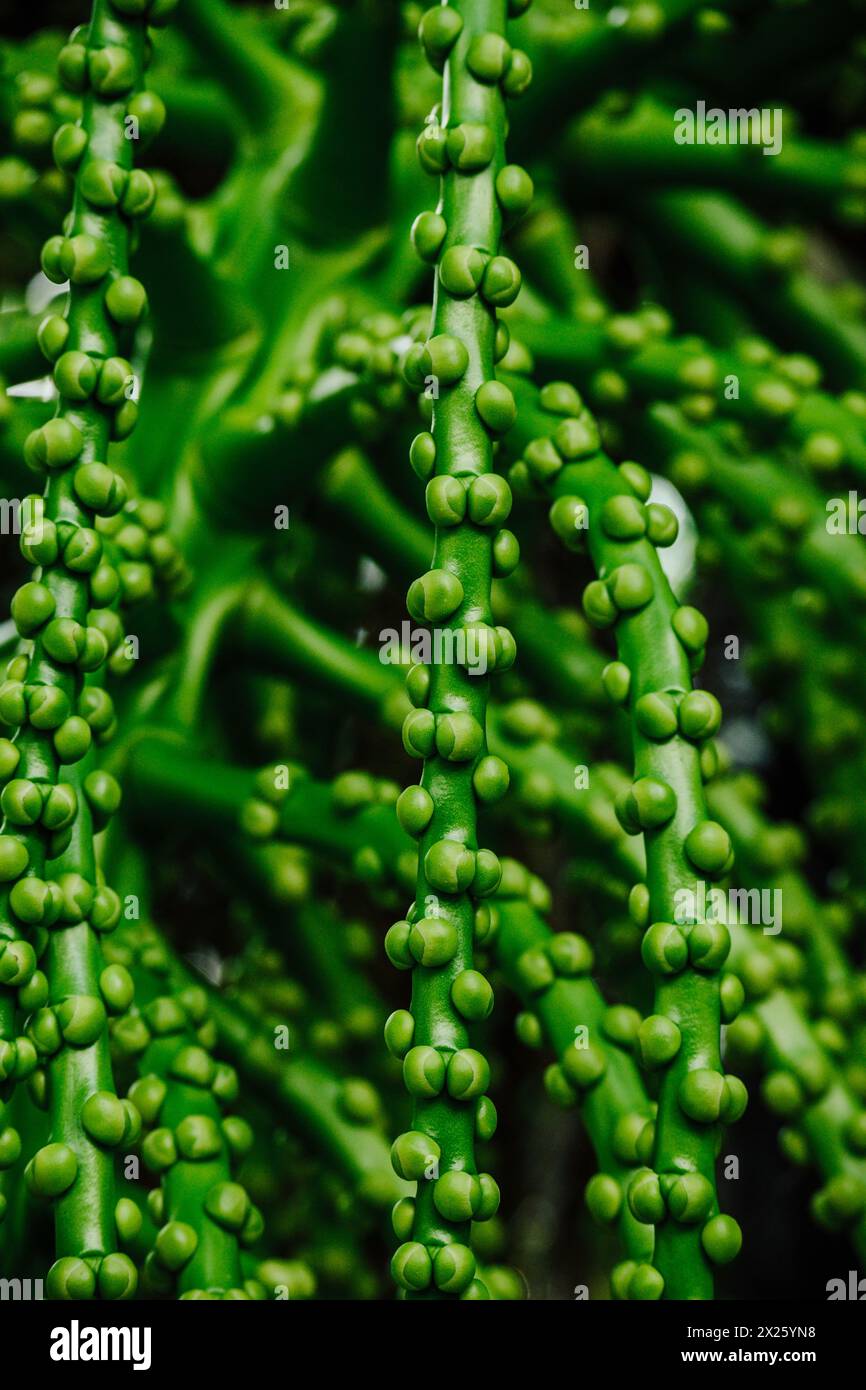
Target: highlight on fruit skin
432	740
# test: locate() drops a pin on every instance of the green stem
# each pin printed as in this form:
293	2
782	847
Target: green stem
659	643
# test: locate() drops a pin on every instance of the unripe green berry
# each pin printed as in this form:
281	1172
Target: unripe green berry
432	942
21	801
117	1277
453	1268
72	739
708	846
415	809
514	189
458	737
99	488
645	1198
490	779
577	438
102	183
68	146
722	1239
104	1118
412	1267
647	805
623	518
501	283
603	1197
126	300
53	334
51	1171
399	1032
81	1018
659	1040
570	954
709	945
569	517
175	1245
690	1198
519	75
583	1066
470	147
413	1155
424	1072
472	996
435	596
228	1205
117	987
662	525
691	628
488	57
631	588
700	715
55	444
496	406
32	606
468	1074
460	270
489	500
655	715
445	498
449	866
428	233
664	949
128	1219
438	32
397	946
111	70
31	900
70	1278
457	1195
17	963
598	606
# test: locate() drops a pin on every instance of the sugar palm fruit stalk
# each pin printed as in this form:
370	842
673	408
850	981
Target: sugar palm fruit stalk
181	1092
70	1032
466	502
659	645
321	1105
44	813
550	971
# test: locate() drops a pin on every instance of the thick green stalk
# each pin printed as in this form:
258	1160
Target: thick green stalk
81	1068
46	697
306	1089
179	1091
659	644
448	728
550	971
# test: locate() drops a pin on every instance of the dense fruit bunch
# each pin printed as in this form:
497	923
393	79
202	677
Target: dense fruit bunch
327	317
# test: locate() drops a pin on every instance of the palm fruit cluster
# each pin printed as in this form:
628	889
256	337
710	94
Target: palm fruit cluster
408	445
